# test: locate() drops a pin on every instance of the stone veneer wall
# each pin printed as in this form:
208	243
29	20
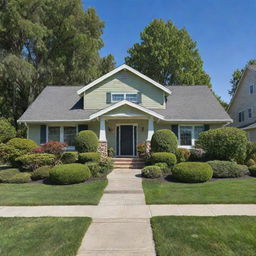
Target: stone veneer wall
103	148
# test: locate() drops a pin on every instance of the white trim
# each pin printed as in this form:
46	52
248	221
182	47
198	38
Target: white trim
123	93
193	140
122	67
102	136
150	129
125	102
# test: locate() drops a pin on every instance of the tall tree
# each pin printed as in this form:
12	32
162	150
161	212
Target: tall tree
44	42
168	55
236	76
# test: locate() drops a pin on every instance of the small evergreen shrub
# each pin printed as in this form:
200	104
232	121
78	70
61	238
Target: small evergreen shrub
164	141
252	170
41	173
226	143
69	157
23	145
227	169
22	177
250	162
151	171
111	152
196	155
106	166
192	172
182	154
6	174
163	157
86	141
89	157
164	168
69	174
7	131
94	168
31	162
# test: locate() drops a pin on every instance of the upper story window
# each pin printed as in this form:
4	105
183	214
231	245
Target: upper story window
251	89
241	117
133	97
249	112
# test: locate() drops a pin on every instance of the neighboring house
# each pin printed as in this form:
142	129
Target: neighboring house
124	108
242	107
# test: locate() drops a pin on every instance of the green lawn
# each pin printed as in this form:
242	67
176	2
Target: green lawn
204	236
41	194
228	191
41	236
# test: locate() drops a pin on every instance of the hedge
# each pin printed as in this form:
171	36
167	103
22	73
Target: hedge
163	157
41	173
164	168
151	171
252	170
94	168
192	172
22	177
182	154
69	157
6	174
86	141
89	157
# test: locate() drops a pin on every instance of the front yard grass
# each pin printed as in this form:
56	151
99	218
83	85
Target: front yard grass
47	236
208	236
225	191
88	193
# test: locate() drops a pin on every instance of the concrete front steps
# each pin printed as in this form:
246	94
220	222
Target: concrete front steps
128	163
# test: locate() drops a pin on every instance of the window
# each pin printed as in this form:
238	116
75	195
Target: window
186	135
69	135
54	133
115	97
251	89
241	116
197	131
249	113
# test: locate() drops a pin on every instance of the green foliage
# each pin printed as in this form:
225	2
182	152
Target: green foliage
164	141
41	173
250	162
89	157
251	151
197	155
141	148
69	174
168	55
106	165
151	171
164	168
7	131
182	154
86	141
24	145
163	157
94	168
69	157
22	177
31	162
6	174
192	172
252	170
226	143
111	152
226	169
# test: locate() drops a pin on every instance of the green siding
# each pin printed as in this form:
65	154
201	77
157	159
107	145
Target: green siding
124	82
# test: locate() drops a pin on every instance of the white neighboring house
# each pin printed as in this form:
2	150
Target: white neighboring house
242	108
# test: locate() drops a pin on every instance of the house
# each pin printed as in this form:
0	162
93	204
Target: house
242	107
124	108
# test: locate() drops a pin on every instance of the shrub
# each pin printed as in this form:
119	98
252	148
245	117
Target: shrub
164	141
6	174
51	147
141	148
251	150
31	162
252	170
86	141
94	168
69	174
151	171
163	157
7	131
89	157
250	162
164	168
111	152
192	172
41	173
196	155
182	154
226	169
22	177
106	166
69	157
23	145
226	143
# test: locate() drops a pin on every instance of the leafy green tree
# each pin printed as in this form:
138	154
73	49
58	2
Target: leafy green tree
7	131
237	74
168	55
44	42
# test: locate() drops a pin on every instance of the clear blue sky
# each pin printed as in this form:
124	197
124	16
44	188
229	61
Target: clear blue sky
225	30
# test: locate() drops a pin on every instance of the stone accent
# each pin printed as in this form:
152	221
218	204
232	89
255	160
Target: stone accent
147	147
103	148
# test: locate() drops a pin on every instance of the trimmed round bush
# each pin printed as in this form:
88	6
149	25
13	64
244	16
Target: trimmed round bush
89	157
192	172
7	131
22	177
69	157
69	174
182	154
41	173
252	170
151	171
164	167
163	157
164	141
94	168
226	143
6	174
86	141
227	169
31	162
24	145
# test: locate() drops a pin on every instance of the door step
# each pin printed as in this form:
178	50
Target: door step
128	163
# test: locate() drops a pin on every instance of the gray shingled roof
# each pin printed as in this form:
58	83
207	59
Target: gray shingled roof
250	126
61	103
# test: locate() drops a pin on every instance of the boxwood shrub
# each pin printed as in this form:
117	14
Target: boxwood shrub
252	170
227	169
86	141
41	173
22	177
192	172
151	171
226	143
69	157
163	157
89	157
164	168
94	168
164	141
69	174
6	174
21	144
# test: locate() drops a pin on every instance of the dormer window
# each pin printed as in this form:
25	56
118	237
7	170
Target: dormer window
251	89
133	97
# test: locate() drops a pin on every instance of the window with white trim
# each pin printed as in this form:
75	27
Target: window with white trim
189	134
251	89
241	116
54	133
133	97
69	136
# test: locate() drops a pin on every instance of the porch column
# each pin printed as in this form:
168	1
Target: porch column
150	129
102	130
103	144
